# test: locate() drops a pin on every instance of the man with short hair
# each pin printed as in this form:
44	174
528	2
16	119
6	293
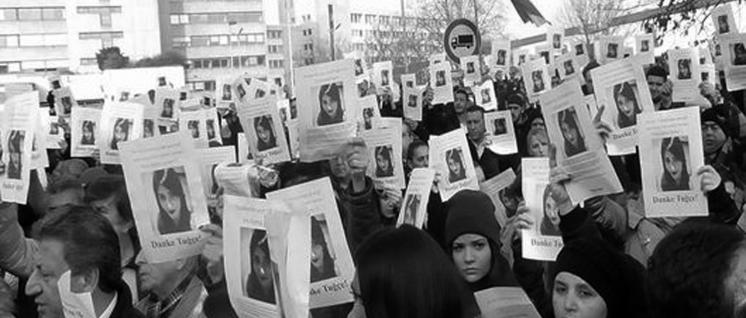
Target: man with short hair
418	155
461	102
173	288
83	244
660	87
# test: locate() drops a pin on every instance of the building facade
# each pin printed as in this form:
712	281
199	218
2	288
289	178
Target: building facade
57	35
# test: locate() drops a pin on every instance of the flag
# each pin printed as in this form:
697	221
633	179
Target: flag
528	12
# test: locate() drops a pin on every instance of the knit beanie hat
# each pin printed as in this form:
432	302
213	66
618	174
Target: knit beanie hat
618	279
724	116
472	212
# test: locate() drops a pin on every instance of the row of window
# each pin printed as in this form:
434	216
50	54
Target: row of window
276	63
34	65
225	62
274	48
382	19
307	32
32	14
218	40
103	35
32	40
99	9
274	34
216	17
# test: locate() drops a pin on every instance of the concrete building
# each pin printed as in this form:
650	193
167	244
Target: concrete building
226	38
53	35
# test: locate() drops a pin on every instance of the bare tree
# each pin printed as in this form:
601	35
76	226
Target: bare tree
403	42
488	15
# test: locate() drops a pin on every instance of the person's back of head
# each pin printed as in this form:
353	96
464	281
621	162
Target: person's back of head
657	70
694	272
402	272
111	186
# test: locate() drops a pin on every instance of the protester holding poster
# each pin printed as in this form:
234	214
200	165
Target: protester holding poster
450	156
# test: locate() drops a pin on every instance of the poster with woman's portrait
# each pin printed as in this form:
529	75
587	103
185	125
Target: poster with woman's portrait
441	83
263	128
360	66
168	101
331	267
18	125
685	67
485	96
450	156
383	75
579	149
328	104
212	126
53	133
150	121
536	77
724	20
621	86
413	97
470	66
120	122
386	164
415	201
369	114
84	131
733	49
644	45
500	132
612	48
64	101
166	193
504	199
209	159
670	154
543	241
195	123
555	38
251	274
501	50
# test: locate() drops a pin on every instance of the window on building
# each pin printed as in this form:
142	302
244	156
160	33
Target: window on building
88	61
9	40
8	14
28	40
29	13
356	17
174	19
53	14
274	34
180	41
309	32
370	18
107	42
105	19
236	62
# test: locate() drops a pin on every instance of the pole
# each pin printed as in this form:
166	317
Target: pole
289	35
476	22
404	34
331	30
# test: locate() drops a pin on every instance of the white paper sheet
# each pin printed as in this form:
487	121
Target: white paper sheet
684	67
412	99
17	128
505	302
485	95
536	77
383	75
166	193
501	55
543	242
733	48
195	124
723	20
670	154
385	153
369	112
84	131
332	268
441	83
500	132
263	129
120	122
414	204
450	156
494	189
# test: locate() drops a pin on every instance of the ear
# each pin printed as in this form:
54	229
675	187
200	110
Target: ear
84	282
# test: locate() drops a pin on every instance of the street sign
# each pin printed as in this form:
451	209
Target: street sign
461	39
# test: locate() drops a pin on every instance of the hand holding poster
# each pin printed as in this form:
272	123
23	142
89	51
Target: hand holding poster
501	133
17	127
621	87
84	131
485	95
441	83
414	209
250	274
670	154
263	129
165	189
579	149
542	242
332	269
684	66
385	148
326	93
450	157
120	122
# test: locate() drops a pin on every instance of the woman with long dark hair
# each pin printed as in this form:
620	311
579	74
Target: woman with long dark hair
675	169
402	272
121	132
173	213
384	165
88	131
574	141
265	135
259	284
626	104
330	103
456	170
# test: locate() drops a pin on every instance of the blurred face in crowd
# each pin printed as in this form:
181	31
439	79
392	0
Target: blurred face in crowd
472	255
574	297
538	146
420	157
262	267
655	83
158	278
49	265
538	122
515	111
712	136
475	126
64	200
673	165
460	102
170	202
108	208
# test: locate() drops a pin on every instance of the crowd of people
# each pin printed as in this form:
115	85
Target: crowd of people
616	262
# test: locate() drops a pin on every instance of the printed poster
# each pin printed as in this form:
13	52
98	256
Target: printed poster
120	122
84	130
501	55
544	241
166	193
441	83
413	98
327	104
17	129
485	95
500	132
670	154
385	150
263	129
332	270
495	189
536	77
684	67
450	156
734	60
724	20
383	75
414	208
470	66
